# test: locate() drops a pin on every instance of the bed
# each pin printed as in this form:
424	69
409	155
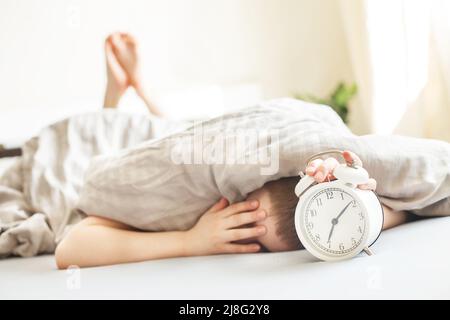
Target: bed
410	261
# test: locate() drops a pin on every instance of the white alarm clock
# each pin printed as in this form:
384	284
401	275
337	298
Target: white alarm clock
336	220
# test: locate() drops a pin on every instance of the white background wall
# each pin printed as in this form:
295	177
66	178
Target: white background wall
51	51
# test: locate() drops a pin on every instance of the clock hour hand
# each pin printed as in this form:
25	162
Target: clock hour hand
331	233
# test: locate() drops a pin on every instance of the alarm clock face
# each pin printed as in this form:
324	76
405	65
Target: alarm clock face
332	223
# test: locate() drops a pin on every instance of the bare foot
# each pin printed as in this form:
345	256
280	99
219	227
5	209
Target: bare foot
118	80
126	51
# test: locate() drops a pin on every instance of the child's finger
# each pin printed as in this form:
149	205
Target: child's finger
244	233
241	248
371	185
325	169
243	206
220	205
312	167
241	219
334	163
352	157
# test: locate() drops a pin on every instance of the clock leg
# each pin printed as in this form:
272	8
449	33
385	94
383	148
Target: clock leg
368	251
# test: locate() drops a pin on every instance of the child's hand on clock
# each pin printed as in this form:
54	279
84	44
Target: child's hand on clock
322	170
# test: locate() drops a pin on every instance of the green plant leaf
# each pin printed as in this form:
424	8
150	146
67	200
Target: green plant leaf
338	100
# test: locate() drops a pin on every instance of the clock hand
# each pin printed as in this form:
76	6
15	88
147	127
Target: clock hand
336	220
331	232
343	210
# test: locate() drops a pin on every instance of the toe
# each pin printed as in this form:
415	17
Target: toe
116	39
108	49
128	39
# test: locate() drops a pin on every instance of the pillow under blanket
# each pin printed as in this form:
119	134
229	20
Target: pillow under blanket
168	183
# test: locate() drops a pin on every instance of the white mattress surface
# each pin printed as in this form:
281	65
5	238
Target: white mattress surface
410	261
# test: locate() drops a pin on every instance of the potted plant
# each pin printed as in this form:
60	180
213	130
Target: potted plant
339	99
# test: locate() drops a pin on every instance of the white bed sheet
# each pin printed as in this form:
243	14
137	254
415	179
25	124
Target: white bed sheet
411	261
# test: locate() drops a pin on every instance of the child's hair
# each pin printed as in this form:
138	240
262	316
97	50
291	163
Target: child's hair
283	203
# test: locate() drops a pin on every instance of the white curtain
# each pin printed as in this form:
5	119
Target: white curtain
400	53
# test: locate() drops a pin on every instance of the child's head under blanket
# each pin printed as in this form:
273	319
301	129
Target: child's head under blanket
279	200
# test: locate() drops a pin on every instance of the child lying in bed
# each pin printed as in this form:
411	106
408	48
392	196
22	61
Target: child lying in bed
263	222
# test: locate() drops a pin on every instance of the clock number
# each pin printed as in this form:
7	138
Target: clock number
341	246
361	216
342	196
354	205
353	242
319	202
310	225
330	195
313	212
317	236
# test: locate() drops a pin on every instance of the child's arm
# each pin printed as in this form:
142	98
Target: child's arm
98	241
393	218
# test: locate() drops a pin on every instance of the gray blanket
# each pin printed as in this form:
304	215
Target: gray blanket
39	193
47	190
167	184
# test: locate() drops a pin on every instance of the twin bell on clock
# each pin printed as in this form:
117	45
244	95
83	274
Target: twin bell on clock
336	220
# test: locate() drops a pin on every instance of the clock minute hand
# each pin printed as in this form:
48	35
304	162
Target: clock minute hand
343	210
336	220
